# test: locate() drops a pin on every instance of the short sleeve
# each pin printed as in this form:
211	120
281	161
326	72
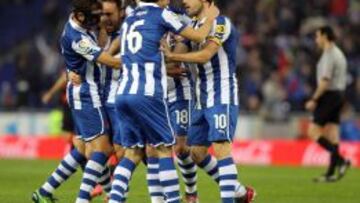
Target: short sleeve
220	31
326	66
86	48
172	21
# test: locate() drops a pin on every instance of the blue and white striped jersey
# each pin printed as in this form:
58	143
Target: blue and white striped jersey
180	88
110	76
144	71
80	50
216	81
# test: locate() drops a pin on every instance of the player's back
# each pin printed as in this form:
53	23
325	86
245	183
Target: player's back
144	71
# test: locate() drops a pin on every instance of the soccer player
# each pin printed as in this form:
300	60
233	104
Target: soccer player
81	52
215	116
327	102
180	101
141	101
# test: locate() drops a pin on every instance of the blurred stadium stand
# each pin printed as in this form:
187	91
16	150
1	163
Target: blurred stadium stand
277	55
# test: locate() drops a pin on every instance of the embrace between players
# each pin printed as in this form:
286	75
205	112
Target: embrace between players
123	101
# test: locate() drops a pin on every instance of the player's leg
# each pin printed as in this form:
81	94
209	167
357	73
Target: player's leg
155	120
152	176
316	133
169	179
205	161
123	174
130	137
198	140
331	130
66	168
222	120
98	148
180	112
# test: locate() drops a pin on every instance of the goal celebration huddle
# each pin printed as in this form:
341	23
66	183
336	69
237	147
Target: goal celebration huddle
152	83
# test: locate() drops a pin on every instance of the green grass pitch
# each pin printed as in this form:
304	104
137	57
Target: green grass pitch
19	178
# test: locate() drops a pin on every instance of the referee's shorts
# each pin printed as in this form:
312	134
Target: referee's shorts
329	108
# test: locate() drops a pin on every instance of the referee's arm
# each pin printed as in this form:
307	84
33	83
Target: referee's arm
322	87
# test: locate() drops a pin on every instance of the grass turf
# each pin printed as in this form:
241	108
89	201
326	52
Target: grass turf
18	178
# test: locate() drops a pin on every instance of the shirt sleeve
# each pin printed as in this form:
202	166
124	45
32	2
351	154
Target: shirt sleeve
172	21
326	66
220	31
87	48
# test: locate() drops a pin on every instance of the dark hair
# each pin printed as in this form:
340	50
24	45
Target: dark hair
84	6
119	3
150	1
328	32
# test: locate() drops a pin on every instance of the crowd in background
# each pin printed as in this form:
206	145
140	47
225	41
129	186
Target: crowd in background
277	55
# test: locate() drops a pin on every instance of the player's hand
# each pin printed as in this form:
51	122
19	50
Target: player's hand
310	105
165	48
74	78
176	72
47	97
213	11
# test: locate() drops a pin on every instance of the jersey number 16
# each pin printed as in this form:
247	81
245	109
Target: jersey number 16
132	38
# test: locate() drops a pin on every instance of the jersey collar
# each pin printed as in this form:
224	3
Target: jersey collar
143	4
76	26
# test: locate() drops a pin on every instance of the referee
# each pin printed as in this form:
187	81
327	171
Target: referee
327	102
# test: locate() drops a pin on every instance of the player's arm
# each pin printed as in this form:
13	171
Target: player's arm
173	67
322	87
92	52
106	59
114	47
202	56
201	34
57	86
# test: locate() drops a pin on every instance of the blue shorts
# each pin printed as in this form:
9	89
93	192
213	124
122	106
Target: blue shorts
144	120
180	114
215	124
90	123
114	127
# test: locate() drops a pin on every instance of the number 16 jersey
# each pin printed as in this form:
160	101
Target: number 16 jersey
144	71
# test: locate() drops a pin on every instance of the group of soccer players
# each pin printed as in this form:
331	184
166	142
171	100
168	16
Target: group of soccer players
145	87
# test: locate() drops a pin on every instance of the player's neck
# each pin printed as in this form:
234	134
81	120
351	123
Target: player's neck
76	21
328	45
203	12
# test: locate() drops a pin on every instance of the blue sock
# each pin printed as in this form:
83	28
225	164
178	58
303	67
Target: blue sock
92	173
210	166
228	180
66	168
153	179
169	180
122	176
188	170
105	180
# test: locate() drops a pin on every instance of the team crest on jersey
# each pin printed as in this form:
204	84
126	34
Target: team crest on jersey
85	47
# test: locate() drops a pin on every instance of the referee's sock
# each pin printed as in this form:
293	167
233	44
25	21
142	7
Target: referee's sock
335	157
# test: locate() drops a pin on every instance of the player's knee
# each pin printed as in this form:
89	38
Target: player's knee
222	150
198	154
135	155
102	144
181	148
119	152
151	151
314	132
164	151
